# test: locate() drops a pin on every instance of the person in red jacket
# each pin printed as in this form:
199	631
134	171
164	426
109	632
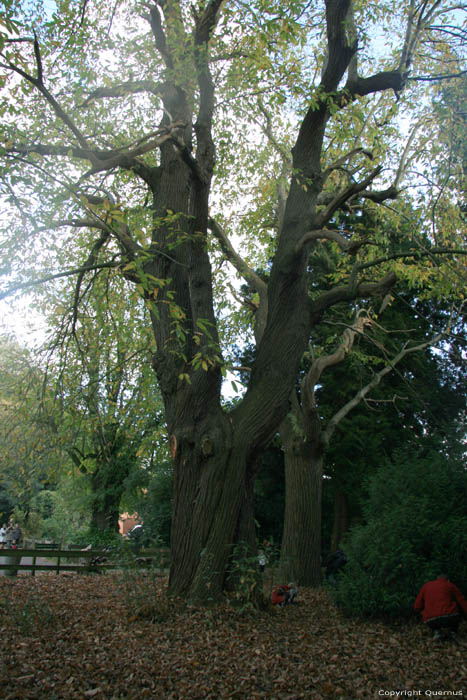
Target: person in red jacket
439	602
284	595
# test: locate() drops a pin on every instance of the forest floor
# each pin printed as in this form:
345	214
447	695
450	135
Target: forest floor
117	636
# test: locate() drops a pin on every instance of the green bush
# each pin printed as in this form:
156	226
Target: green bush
416	528
155	508
100	539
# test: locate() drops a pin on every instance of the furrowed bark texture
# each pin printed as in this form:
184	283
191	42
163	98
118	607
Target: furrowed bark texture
301	539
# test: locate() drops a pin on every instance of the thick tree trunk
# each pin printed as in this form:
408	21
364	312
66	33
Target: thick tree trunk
341	518
301	541
211	508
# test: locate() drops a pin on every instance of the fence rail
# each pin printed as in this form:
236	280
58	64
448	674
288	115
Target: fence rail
79	560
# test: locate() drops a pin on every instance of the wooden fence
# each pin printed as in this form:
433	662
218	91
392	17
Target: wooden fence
13	561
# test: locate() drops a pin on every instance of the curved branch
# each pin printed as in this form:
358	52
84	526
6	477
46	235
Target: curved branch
39	85
348	246
323	362
351	292
344	195
248	274
237	261
343	159
413	254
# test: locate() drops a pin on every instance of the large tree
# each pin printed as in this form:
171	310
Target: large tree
113	117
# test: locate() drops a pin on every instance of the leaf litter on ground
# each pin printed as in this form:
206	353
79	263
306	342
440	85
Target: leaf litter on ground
73	637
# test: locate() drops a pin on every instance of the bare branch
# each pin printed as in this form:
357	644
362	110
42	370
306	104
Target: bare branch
23	286
90	262
413	253
131	87
343	159
237	261
350	292
320	364
432	78
206	23
360	395
248	274
39	85
159	35
37	54
344	195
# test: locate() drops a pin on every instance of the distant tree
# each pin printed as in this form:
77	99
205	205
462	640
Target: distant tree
107	409
30	451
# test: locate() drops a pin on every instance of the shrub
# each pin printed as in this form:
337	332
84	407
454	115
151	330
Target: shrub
416	528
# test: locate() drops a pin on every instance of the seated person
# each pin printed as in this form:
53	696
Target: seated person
439	602
284	595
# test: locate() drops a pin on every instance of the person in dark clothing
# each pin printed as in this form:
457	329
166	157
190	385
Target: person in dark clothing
335	562
439	603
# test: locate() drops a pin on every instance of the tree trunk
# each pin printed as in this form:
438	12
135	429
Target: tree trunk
107	491
341	518
209	491
301	541
105	518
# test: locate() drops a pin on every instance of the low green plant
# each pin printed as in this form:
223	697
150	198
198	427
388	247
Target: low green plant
245	579
100	539
28	616
142	592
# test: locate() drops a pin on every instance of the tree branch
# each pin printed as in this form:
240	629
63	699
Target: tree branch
360	395
206	22
413	254
131	87
344	195
350	292
343	159
39	85
348	246
23	286
101	160
320	364
237	261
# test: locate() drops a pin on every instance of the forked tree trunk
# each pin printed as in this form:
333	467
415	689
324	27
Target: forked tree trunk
212	508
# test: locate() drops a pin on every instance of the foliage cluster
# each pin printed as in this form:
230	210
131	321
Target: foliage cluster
416	528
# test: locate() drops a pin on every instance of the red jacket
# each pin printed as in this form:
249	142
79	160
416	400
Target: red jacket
438	598
278	594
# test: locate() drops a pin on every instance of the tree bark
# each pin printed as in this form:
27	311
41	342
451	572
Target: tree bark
301	540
